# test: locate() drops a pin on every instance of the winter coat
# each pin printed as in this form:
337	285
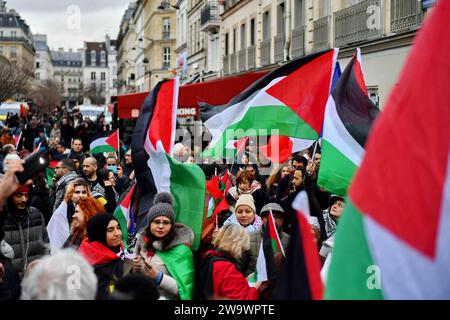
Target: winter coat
108	266
176	261
220	279
27	236
259	196
251	255
59	189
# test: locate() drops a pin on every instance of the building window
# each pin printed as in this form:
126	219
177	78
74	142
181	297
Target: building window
13	52
280	19
38	75
324	5
243	37
38	65
1	34
266	25
166	57
252	32
299	13
13	34
227	49
103	58
93	58
166	28
92	75
234	40
103	76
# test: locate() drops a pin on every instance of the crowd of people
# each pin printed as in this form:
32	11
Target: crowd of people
60	228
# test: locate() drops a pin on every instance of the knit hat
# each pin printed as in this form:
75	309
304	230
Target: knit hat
246	199
97	227
274	207
162	206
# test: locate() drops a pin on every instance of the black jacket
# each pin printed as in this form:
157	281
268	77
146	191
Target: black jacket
27	236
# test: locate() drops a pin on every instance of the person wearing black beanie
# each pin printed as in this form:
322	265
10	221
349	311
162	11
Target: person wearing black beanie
103	249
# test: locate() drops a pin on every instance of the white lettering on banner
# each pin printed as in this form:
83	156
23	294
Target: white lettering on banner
185	112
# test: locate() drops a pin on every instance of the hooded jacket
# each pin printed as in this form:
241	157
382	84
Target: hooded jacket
176	261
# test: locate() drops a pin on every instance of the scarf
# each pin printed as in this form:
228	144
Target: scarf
255	226
235	191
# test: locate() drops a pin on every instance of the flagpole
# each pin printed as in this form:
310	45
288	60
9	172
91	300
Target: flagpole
118	144
315	149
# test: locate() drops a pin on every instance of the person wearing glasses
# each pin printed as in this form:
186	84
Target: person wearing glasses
163	251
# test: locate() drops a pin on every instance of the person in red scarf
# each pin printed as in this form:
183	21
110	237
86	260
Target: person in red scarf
103	249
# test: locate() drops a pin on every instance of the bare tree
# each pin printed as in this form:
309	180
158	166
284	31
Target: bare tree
95	94
46	95
14	80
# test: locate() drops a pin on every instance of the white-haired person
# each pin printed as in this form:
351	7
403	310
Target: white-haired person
65	275
219	278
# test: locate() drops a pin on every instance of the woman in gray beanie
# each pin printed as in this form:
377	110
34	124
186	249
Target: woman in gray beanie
163	251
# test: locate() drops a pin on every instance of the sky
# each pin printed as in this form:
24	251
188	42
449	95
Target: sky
68	23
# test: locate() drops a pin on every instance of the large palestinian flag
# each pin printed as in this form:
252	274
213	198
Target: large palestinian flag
348	118
289	101
124	216
393	241
105	144
186	182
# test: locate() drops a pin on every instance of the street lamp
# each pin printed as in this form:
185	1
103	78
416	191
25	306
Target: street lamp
166	4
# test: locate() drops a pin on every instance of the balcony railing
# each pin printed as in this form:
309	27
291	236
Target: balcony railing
358	22
233	62
279	48
265	52
321	34
166	35
298	42
241	60
405	15
251	57
226	65
210	17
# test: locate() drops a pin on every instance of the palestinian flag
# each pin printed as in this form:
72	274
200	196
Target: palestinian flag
393	240
300	272
124	216
348	118
105	144
50	172
270	245
279	148
186	182
17	139
289	101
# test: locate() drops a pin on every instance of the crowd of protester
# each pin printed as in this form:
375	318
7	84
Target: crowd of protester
64	218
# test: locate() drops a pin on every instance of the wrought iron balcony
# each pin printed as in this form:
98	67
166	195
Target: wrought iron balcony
226	65
242	56
265	52
210	17
251	57
279	47
233	62
321	34
405	15
358	23
298	42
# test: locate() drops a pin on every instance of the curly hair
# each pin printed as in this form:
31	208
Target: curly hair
89	207
233	240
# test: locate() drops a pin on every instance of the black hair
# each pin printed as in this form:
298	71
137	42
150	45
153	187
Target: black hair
303	170
135	286
299	158
68	163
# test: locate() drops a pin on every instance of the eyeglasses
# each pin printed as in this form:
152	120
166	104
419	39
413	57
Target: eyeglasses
163	222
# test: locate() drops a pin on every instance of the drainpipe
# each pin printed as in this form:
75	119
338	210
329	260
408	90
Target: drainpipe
288	31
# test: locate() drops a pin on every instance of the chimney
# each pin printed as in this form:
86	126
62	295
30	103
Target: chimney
61	50
70	49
